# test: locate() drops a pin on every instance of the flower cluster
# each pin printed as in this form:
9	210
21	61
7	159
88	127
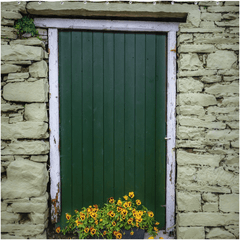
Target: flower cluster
109	221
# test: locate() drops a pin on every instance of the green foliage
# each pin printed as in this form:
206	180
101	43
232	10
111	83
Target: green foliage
111	219
26	25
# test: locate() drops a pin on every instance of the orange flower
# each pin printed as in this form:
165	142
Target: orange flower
105	232
58	229
131	194
68	216
132	232
96	206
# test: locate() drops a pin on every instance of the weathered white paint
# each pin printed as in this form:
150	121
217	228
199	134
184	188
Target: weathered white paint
54	123
170	29
111	25
171	130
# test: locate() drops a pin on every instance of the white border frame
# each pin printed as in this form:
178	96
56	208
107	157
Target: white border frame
114	25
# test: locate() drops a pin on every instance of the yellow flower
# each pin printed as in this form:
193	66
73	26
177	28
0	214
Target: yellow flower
157	223
76	211
150	214
124	212
82	218
125	197
93	231
111	200
86	230
138	202
132	232
96	222
119	202
129	204
100	220
119	236
130	220
155	229
119	209
58	229
131	194
125	204
68	216
114	223
151	238
105	232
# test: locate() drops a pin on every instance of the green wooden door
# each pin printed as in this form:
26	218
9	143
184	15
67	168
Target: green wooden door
112	118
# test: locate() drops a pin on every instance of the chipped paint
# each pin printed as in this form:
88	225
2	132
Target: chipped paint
55	206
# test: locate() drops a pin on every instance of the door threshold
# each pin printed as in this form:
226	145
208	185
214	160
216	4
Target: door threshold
161	233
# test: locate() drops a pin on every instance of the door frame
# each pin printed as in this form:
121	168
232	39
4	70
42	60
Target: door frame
170	28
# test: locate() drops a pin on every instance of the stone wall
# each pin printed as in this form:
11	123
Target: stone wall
207	177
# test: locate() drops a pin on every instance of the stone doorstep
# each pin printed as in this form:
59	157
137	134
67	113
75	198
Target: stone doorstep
161	233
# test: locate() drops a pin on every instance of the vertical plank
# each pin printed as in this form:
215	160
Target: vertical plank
119	115
140	117
77	120
87	119
65	76
54	123
98	116
108	116
129	110
160	128
150	122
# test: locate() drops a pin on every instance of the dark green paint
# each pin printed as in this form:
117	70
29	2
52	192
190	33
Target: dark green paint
112	112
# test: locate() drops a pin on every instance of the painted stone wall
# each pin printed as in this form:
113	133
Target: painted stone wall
207	177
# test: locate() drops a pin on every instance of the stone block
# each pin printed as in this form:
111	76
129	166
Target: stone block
11	107
211	79
229	203
210	207
23	229
28	42
36	112
10	15
225	134
185	158
10	68
234	229
41	199
211	16
231	78
194	18
191	110
209	197
229	16
29	207
11	236
223	90
39	69
235	144
196	48
7	22
9	218
189	61
16	119
38	218
14	6
229	72
20	52
26	91
230	101
223	9
31	130
231	23
222	110
216	176
184	38
206	219
218	38
219	233
39	158
188	202
228	47
197	73
200	99
186	173
221	60
190	133
190	233
25	179
18	75
26	148
189	85
196	122
9	33
3	206
228	117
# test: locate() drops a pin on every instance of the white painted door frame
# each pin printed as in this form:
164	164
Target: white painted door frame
53	24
